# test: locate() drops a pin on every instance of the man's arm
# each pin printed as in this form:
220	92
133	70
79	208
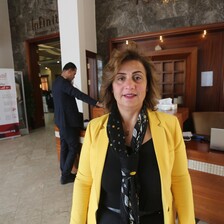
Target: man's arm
76	93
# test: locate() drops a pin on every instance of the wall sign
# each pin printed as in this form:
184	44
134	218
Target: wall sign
207	78
21	103
9	123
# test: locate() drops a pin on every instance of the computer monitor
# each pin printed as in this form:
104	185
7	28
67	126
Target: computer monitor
217	139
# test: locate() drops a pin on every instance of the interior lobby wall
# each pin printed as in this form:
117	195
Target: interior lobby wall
113	19
124	17
30	19
6	57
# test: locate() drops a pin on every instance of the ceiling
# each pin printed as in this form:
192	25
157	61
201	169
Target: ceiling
49	53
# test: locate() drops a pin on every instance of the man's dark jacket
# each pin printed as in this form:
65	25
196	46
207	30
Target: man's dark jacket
66	112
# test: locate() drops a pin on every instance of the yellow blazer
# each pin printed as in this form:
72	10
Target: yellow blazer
172	161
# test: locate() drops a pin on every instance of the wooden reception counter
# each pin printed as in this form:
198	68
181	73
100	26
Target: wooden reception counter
206	168
181	113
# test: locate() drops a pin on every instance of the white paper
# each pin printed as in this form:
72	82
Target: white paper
207	78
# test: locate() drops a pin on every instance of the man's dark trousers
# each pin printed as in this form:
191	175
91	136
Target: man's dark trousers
70	147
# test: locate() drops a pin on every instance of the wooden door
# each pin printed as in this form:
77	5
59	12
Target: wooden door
92	77
37	118
32	58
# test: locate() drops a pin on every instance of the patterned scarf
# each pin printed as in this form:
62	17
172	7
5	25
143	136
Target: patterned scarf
129	203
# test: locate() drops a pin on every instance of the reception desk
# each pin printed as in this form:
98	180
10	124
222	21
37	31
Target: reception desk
206	168
181	113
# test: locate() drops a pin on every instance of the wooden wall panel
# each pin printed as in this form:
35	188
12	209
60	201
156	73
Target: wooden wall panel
210	57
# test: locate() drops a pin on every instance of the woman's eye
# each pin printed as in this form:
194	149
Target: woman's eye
120	78
137	78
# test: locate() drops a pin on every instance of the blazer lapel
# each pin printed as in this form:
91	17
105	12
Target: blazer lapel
155	128
159	140
101	156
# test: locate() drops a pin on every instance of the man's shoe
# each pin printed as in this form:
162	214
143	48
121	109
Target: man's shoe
68	179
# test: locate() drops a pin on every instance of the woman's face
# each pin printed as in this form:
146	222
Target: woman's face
130	85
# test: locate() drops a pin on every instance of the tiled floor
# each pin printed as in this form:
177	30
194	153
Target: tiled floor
29	175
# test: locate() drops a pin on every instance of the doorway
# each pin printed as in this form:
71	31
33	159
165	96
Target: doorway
44	64
91	67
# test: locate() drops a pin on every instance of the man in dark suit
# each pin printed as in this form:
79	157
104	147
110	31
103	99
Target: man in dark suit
67	118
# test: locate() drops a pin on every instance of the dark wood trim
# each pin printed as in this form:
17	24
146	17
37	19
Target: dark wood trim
44	39
200	151
221	98
31	47
91	54
170	32
92	79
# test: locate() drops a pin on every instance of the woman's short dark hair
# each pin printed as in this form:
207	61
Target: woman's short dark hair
118	57
68	66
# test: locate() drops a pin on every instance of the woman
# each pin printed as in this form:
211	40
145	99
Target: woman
133	165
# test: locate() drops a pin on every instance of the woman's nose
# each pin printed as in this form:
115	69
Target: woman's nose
129	83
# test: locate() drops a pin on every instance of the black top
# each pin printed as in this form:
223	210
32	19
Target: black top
150	199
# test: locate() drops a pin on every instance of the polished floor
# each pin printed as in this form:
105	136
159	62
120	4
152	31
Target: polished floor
29	175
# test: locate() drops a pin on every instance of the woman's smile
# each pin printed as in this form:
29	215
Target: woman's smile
129	95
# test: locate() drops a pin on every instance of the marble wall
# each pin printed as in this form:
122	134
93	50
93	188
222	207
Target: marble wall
33	18
30	19
124	17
